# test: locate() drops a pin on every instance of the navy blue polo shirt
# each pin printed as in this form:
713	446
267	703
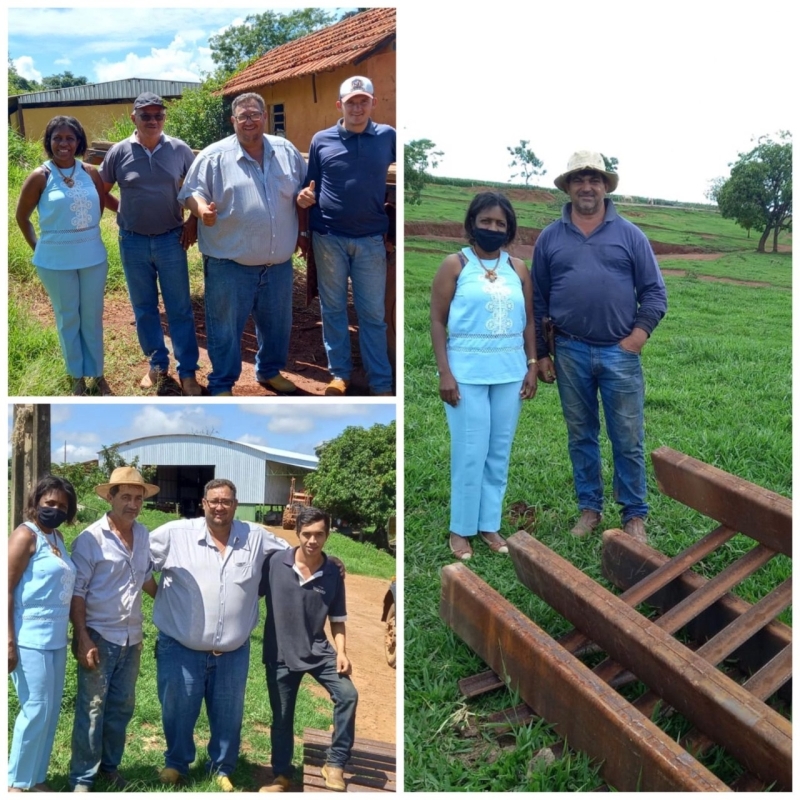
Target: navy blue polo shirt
349	171
294	633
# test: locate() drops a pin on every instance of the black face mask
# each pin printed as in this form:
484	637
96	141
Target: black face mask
51	517
489	241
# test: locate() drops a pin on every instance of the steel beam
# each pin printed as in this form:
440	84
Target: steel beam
593	718
751	731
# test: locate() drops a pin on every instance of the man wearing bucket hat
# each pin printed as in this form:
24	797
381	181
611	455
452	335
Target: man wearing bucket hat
596	278
345	190
112	558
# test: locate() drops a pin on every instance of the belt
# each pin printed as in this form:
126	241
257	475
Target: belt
153	235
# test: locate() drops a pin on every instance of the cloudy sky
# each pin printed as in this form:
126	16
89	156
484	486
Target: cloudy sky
84	428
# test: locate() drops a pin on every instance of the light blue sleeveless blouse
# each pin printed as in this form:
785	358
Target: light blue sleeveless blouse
485	324
43	595
69	222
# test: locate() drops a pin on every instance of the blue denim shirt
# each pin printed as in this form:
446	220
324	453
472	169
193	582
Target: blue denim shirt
596	288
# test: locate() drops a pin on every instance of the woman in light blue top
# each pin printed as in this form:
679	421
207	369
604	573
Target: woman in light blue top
41	577
69	255
485	347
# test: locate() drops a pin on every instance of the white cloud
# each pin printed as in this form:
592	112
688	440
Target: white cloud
316	411
59	412
250	438
290	423
62	62
75	453
178	61
154	420
25	68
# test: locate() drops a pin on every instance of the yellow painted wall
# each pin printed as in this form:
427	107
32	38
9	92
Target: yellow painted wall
94	119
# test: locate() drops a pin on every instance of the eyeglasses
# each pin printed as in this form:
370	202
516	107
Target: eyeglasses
249	117
217	502
148	117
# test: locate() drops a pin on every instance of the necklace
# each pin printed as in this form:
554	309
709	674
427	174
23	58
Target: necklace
54	548
68	179
490	274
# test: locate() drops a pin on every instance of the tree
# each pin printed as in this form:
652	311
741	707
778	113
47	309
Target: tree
240	44
200	116
17	84
758	193
63	80
525	159
355	479
419	156
714	185
611	163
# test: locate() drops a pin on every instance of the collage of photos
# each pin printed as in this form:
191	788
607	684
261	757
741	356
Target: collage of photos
399	424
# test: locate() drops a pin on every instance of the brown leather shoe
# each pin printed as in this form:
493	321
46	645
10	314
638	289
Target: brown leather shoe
460	547
153	378
334	778
587	523
634	527
78	387
496	543
190	387
336	388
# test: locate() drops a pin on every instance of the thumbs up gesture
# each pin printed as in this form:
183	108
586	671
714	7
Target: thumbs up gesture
208	214
307	197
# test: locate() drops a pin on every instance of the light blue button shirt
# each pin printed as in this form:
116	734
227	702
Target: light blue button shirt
256	212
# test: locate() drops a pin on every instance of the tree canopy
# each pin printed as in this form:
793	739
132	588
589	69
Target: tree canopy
525	159
19	85
419	155
62	80
758	193
611	163
356	476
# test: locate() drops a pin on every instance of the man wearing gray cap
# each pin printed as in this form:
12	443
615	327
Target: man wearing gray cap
598	284
153	238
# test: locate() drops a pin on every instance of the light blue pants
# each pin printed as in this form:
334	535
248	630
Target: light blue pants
39	681
482	428
77	298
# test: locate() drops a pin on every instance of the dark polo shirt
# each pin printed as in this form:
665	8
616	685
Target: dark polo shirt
294	633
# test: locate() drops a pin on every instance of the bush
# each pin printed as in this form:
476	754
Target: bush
199	117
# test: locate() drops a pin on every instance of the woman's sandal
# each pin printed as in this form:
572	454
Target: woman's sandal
461	548
495	542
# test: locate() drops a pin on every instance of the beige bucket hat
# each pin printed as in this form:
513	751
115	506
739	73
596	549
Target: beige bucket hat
128	476
586	159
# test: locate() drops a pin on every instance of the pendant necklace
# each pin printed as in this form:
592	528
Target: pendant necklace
490	274
54	549
68	179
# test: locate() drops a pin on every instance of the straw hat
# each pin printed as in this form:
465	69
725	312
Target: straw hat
129	477
586	159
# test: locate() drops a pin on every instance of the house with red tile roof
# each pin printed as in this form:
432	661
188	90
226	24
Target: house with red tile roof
300	80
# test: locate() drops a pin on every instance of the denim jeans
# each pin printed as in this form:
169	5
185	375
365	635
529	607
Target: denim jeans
150	261
582	371
77	299
233	292
103	708
482	428
39	681
363	261
187	677
283	685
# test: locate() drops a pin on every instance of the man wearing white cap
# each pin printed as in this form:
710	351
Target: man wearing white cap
112	559
596	278
345	190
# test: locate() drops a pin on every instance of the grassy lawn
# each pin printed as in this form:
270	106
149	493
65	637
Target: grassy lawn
718	387
144	752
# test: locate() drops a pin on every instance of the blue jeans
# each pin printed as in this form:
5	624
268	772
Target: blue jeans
363	261
482	428
283	685
39	681
582	371
233	292
77	298
103	708
187	677
150	261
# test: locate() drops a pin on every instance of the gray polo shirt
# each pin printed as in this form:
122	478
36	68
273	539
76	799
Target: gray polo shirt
294	632
109	579
256	213
148	183
208	600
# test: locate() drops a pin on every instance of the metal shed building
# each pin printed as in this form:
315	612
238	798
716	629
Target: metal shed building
186	462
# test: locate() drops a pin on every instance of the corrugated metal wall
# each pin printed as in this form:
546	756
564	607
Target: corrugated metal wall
127	89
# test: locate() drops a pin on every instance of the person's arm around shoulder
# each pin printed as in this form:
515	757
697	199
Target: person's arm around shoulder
21	547
528	390
540	275
442	293
29	197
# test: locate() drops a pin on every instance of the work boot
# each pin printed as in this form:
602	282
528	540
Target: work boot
113	778
337	387
634	527
279	784
171	777
224	783
190	387
334	778
587	523
278	384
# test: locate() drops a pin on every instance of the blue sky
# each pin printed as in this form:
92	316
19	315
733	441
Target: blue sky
298	427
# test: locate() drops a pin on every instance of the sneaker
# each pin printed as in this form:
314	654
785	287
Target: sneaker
634	527
337	387
224	783
171	777
587	523
153	378
334	778
279	784
279	384
114	779
190	387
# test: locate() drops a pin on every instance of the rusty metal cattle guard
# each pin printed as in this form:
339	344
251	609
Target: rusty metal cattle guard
583	704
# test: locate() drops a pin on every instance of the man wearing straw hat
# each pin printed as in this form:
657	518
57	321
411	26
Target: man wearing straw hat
596	278
112	557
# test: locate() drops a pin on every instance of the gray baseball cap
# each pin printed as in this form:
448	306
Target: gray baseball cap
148	99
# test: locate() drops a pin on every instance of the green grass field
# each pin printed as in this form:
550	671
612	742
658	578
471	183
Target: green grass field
144	752
718	387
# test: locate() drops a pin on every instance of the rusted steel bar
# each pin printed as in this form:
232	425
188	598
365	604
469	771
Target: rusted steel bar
754	733
590	715
754	511
626	561
772	675
479	684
